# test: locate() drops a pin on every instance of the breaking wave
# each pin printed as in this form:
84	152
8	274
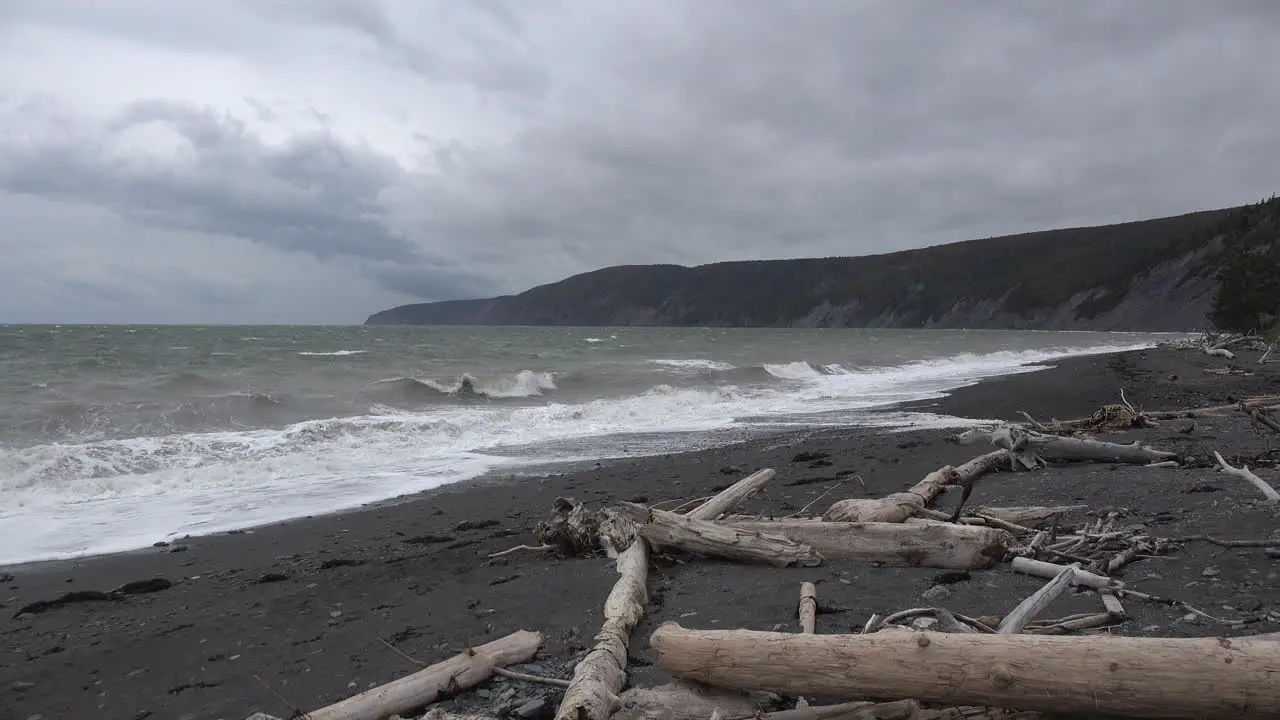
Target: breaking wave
92	496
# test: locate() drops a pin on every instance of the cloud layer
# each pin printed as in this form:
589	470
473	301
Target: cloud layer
169	161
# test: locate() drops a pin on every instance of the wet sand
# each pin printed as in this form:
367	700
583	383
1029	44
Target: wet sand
302	607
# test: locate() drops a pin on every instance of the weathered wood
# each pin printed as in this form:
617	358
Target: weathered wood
593	692
808	608
940	545
1025	515
1028	609
1032	449
1245	474
465	670
732	496
1048	570
898	507
669	530
1204	678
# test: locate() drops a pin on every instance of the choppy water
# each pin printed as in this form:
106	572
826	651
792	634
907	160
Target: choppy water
112	438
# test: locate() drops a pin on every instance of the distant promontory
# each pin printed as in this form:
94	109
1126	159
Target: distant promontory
1149	275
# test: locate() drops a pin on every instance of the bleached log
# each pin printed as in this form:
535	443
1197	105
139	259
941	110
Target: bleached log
669	530
593	692
1028	609
939	545
1031	449
731	496
1220	352
1048	570
1026	515
1244	473
1204	678
808	608
462	671
1270	349
898	507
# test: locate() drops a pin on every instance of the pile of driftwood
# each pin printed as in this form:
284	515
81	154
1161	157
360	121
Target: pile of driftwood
924	663
1220	344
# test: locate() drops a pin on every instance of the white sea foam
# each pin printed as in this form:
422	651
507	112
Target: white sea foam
693	364
335	353
62	500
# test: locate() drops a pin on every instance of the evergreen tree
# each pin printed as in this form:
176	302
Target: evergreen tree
1248	293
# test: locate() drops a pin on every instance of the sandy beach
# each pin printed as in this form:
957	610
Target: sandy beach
295	615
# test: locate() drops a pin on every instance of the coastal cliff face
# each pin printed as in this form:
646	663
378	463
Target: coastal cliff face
1155	275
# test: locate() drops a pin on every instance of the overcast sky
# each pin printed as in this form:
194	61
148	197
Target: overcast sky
317	160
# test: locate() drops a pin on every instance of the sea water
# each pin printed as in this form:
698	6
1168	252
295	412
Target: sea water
115	437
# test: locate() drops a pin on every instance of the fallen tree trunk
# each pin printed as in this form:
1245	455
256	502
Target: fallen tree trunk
462	671
593	692
1048	570
898	507
1032	449
731	496
939	545
1203	678
666	529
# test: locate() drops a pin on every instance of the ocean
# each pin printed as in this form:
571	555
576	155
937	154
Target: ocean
113	437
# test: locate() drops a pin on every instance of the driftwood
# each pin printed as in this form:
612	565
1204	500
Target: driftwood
1244	473
940	545
1039	568
601	675
593	692
1028	609
465	670
900	506
1033	449
1205	678
669	530
1023	515
731	496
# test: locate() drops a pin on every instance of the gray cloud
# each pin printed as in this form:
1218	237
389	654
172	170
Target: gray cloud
482	148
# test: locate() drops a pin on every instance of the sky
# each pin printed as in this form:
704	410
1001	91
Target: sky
314	161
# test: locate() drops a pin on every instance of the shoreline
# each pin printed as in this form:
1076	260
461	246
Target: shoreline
303	604
752	433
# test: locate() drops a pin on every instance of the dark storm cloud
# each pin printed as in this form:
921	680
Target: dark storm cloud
560	136
762	129
313	194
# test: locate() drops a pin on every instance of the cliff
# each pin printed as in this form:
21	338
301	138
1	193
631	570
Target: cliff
1153	275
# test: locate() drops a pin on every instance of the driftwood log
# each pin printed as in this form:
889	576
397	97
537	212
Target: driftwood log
1032	449
462	671
898	507
939	545
668	530
593	692
1203	678
1245	473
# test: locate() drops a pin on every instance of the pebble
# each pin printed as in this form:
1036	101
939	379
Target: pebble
21	685
1248	603
335	614
937	592
179	548
531	708
483	693
1211	571
1273	553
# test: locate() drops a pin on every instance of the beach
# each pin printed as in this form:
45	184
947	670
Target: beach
299	614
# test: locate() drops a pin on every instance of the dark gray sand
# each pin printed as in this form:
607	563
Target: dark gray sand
302	607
